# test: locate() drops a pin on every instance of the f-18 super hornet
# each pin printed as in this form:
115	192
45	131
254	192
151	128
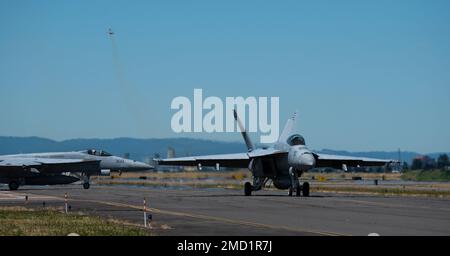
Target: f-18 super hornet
283	163
62	167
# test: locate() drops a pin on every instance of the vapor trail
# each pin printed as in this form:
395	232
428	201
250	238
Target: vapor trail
128	92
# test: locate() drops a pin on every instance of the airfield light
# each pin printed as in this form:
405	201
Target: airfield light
65	202
147	217
145	213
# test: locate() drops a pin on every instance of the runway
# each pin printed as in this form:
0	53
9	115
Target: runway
227	212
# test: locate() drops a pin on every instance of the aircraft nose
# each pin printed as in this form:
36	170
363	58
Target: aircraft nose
145	166
139	165
307	159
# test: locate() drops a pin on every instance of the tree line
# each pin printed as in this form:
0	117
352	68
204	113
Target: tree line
428	163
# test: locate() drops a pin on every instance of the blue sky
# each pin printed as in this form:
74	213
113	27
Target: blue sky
365	75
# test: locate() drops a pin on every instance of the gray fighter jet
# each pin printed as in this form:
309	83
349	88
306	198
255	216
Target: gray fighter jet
62	167
283	163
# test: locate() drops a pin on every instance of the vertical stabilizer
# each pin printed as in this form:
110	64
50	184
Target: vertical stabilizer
288	130
244	133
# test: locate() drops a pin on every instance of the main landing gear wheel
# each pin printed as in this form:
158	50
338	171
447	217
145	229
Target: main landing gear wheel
248	189
13	185
297	190
305	189
86	185
290	191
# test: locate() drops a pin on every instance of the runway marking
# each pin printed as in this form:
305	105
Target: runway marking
205	217
362	202
390	205
334	198
103	187
312	200
13	196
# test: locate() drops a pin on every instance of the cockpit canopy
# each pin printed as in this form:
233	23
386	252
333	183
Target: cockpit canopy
295	140
97	152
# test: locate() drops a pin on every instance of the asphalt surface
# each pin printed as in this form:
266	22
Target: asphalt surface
227	212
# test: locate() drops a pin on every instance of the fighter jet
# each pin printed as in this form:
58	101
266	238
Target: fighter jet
283	163
62	167
110	32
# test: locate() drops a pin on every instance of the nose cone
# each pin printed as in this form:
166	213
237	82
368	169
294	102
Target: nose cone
132	165
307	159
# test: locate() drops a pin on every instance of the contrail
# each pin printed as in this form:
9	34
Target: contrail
131	99
117	64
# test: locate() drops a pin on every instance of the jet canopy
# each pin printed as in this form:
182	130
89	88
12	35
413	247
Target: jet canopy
97	152
295	140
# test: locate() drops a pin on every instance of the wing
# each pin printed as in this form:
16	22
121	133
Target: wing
238	160
224	160
48	165
336	161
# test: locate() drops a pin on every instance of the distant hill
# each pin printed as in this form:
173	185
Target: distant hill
143	149
139	149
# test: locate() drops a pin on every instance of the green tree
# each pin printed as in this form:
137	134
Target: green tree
416	164
405	166
443	161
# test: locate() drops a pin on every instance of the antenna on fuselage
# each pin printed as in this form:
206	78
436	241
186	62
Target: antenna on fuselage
244	133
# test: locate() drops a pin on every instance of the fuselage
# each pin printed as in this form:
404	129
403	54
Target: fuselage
297	158
62	167
107	161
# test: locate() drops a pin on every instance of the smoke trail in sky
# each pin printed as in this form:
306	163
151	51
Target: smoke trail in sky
118	65
129	93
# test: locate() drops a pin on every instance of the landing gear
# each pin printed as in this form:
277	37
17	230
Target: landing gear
297	190
86	181
248	189
86	185
13	185
295	185
258	183
305	189
85	178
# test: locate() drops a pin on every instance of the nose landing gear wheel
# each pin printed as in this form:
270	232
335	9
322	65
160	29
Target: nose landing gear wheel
305	189
297	190
86	185
248	189
13	185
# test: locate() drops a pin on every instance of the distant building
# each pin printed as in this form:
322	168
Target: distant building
170	152
168	168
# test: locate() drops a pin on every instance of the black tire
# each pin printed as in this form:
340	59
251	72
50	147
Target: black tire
86	185
305	189
13	185
290	191
297	190
248	189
